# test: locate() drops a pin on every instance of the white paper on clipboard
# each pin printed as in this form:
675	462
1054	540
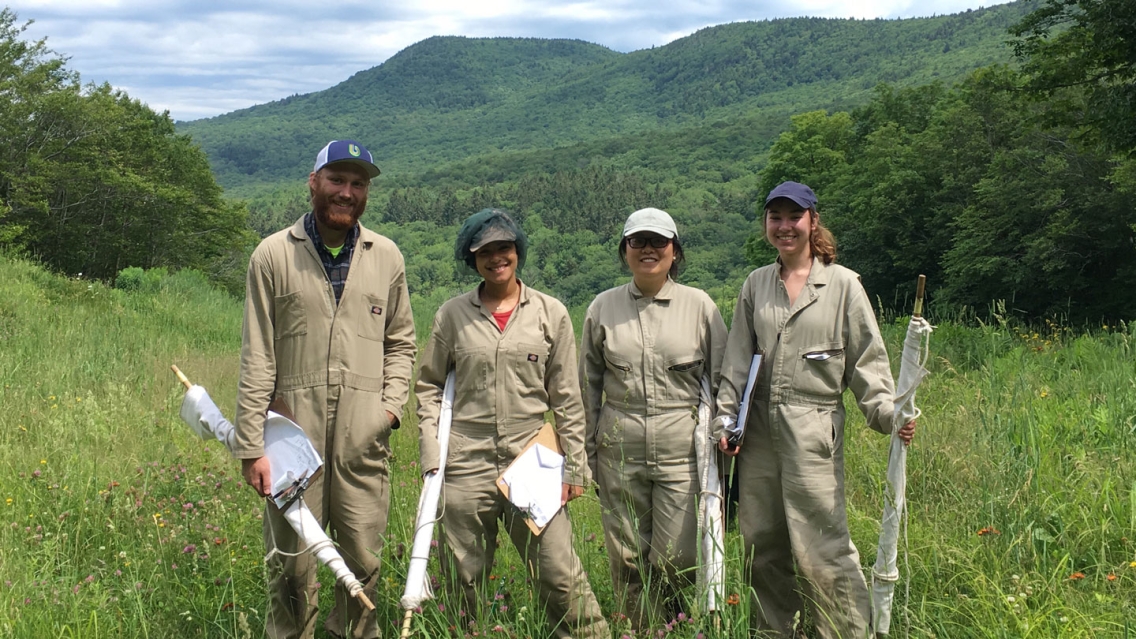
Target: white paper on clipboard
535	480
746	400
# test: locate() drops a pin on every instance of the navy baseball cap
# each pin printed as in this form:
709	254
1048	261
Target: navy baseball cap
351	151
799	193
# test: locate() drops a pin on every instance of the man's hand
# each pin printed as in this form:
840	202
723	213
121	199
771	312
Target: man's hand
258	474
907	433
725	447
568	492
390	418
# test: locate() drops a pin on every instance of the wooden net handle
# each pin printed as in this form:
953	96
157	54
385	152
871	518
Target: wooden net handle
181	376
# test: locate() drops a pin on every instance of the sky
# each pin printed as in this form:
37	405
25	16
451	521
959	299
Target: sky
200	58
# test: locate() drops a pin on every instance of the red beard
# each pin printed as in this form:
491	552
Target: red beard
334	219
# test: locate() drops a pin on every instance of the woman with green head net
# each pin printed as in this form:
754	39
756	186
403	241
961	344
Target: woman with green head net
514	356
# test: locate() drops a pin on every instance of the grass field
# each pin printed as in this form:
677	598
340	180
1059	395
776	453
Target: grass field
117	522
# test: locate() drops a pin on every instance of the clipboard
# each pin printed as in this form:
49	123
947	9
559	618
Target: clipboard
746	399
547	437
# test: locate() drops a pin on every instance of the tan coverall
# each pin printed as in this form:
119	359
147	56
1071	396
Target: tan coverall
340	368
506	382
791	466
642	360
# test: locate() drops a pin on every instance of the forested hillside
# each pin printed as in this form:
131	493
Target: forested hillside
1002	185
1012	183
449	98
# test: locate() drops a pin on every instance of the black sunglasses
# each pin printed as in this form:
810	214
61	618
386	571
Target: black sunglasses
656	241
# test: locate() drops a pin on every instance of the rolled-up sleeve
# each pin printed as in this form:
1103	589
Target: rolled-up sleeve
738	352
867	369
437	360
563	387
399	346
714	340
592	381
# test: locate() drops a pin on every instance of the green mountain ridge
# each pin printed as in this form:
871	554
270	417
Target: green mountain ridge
449	99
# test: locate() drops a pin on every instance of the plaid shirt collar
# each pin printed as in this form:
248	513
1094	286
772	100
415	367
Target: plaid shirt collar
336	267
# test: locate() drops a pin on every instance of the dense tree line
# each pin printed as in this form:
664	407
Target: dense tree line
1014	183
1011	185
92	181
998	187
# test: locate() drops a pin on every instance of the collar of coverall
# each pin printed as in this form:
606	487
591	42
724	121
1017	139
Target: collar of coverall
665	293
475	297
297	231
819	274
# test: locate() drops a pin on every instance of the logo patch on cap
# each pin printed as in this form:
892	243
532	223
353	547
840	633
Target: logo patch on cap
533	357
353	150
376	310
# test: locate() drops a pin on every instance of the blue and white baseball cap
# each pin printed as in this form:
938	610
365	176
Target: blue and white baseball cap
351	151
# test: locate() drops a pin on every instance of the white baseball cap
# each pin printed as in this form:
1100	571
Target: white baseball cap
650	220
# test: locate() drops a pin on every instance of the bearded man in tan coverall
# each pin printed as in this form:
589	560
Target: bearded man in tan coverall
514	356
328	329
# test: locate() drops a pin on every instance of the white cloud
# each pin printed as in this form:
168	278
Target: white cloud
206	57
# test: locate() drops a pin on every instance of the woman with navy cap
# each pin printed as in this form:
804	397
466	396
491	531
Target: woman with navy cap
646	346
514	356
814	325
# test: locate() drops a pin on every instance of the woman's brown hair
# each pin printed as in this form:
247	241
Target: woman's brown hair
821	241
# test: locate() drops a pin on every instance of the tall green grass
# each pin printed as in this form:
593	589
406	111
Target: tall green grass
116	522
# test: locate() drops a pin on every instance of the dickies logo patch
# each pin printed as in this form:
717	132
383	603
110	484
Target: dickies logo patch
376	310
533	357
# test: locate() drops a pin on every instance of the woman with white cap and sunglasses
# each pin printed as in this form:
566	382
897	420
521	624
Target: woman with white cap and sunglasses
645	348
813	324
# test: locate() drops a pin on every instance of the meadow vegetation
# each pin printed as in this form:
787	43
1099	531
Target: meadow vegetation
1000	183
117	522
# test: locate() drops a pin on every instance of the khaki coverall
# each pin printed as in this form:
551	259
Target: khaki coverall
641	364
339	368
791	466
506	382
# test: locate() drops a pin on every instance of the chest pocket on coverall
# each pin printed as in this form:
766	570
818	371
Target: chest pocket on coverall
471	370
530	365
820	370
290	320
373	324
684	374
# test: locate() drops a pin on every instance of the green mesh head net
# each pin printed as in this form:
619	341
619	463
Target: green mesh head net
489	225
